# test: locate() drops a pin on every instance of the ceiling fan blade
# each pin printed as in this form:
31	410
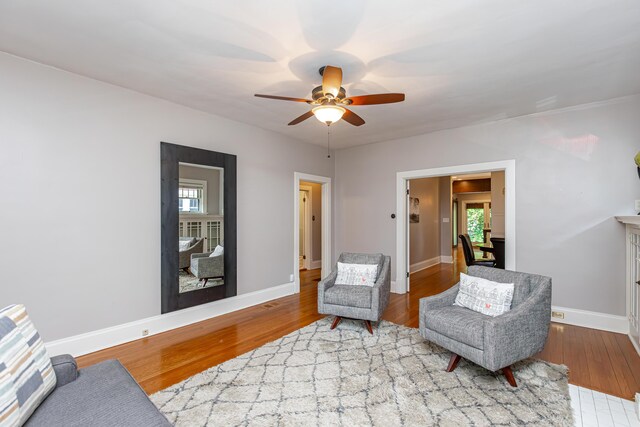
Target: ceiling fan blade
352	118
383	98
302	118
331	80
283	98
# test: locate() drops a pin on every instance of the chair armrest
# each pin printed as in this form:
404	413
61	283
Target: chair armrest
382	289
201	255
323	285
443	299
519	333
328	281
65	368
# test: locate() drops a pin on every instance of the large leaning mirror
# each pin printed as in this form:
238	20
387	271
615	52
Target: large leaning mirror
198	226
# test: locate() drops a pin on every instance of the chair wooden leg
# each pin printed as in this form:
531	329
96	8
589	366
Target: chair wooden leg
453	362
336	320
509	375
368	325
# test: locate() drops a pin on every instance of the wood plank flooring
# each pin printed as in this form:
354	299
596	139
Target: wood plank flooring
598	360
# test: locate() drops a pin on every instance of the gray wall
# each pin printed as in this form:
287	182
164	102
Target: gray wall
574	172
82	260
212	176
424	236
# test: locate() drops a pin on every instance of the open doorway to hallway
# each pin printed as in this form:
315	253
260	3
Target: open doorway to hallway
437	206
312	228
441	209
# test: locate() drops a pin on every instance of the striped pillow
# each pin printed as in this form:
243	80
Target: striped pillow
26	374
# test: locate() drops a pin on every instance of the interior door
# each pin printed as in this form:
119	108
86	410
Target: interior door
301	230
454	225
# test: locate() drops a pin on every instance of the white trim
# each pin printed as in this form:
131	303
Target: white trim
326	223
421	265
308	226
316	264
394	288
509	166
593	320
446	259
635	345
97	340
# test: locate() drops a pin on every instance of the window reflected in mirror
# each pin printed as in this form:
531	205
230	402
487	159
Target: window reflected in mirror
200	227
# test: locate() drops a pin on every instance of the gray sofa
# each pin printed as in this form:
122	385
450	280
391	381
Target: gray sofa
102	395
196	246
491	342
206	267
356	302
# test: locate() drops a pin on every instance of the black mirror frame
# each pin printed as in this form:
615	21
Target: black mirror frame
171	156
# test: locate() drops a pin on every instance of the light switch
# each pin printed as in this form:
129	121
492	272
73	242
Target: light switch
445	219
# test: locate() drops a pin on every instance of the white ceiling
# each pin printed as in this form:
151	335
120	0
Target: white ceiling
459	62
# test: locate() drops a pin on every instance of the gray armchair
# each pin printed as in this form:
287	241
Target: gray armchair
356	302
491	342
205	267
196	246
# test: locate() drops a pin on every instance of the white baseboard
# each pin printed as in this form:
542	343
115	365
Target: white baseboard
315	264
635	345
592	319
394	289
424	264
446	259
97	340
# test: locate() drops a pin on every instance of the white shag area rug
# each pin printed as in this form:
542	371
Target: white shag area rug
347	377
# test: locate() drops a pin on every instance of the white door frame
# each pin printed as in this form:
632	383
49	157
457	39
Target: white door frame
308	225
326	223
509	167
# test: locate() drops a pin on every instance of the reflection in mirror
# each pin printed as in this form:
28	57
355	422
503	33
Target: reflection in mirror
200	227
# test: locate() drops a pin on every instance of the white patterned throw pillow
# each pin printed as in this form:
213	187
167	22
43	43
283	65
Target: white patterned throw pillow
26	374
484	296
356	274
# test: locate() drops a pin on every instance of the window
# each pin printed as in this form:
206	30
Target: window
192	196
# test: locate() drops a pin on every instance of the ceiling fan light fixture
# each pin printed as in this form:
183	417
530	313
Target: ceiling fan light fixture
328	114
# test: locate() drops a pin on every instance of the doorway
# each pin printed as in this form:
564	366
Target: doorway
476	220
312	226
402	266
306	234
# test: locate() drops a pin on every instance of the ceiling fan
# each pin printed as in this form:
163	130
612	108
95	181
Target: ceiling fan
330	100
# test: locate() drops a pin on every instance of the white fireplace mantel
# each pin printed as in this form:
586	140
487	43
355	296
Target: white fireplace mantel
630	220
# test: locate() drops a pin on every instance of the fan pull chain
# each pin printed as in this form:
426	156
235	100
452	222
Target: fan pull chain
328	140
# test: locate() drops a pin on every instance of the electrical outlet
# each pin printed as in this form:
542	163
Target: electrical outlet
145	332
291	277
557	314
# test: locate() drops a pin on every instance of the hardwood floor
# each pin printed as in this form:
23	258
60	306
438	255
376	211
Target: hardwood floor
598	360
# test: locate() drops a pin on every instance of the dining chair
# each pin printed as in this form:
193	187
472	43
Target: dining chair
469	255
